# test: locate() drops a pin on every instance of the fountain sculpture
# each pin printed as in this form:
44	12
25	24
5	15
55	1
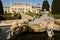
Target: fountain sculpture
44	21
40	24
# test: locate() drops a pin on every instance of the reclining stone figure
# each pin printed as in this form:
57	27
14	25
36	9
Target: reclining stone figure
44	23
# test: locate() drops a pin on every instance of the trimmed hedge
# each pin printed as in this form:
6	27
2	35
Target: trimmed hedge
17	16
56	16
8	16
33	14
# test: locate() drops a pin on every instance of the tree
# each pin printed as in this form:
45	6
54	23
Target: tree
55	6
45	5
1	8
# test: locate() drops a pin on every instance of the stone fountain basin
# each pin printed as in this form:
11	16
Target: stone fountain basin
38	28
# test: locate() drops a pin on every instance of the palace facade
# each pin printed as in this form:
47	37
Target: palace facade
22	8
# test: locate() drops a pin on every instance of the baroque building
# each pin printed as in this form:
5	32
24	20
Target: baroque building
22	8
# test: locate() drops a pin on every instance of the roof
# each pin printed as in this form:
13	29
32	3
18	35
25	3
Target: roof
35	6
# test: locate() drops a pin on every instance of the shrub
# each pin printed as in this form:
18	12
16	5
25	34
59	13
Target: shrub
8	16
17	16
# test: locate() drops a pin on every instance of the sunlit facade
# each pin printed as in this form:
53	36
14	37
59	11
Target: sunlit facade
6	9
23	8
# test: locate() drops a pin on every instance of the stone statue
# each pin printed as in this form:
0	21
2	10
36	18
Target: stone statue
41	24
49	22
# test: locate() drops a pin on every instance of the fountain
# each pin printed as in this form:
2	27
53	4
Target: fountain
10	32
40	24
44	21
49	19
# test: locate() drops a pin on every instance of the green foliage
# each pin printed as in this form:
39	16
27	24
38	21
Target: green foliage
8	16
30	14
17	16
33	14
45	5
56	16
56	6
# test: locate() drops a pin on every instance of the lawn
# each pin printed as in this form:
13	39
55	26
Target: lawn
56	16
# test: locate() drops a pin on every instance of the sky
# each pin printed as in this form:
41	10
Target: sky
33	2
